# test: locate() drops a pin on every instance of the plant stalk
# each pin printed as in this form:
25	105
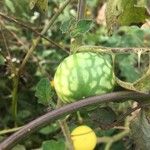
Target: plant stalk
65	128
15	97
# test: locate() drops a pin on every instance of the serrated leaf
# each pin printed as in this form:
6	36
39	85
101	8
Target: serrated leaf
43	91
82	27
65	26
53	145
132	14
124	13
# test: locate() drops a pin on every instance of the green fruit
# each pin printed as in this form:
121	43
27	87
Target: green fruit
82	75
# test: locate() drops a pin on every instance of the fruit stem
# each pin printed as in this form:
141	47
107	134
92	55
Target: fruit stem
66	132
80	119
65	128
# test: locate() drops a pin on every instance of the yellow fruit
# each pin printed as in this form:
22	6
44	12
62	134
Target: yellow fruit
83	138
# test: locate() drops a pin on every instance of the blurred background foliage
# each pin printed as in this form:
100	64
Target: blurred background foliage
45	60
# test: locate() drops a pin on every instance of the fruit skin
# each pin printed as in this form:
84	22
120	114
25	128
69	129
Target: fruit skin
83	138
82	75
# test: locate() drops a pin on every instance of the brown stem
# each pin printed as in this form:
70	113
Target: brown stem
27	27
34	125
81	9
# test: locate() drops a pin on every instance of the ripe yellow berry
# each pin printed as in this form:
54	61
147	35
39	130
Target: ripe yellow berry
83	138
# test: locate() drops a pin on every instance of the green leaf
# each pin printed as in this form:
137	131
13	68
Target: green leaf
10	5
24	114
141	3
2	60
127	64
84	25
103	116
124	13
19	147
81	27
53	145
49	129
44	91
140	130
65	26
132	14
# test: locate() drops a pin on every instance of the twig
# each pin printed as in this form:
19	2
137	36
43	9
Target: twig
15	80
18	72
5	42
15	36
77	41
6	131
81	9
110	140
26	26
34	125
36	41
125	115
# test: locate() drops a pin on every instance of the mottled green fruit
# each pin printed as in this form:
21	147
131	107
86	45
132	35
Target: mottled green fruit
82	75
